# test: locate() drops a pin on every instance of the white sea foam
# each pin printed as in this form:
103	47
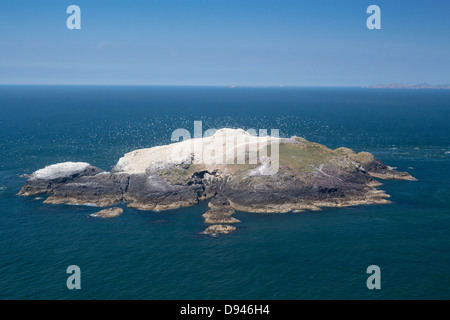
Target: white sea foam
88	204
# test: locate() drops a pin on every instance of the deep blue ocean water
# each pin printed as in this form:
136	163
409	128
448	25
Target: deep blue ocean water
162	255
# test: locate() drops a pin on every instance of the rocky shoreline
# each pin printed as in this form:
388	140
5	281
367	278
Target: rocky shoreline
310	176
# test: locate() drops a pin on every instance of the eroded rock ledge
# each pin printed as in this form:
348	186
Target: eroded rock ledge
310	176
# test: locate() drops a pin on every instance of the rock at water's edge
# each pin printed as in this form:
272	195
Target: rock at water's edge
219	228
108	213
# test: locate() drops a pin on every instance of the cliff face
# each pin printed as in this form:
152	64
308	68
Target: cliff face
309	176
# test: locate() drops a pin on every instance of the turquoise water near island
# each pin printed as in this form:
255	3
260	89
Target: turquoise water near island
163	255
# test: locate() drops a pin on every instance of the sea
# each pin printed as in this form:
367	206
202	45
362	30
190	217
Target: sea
165	255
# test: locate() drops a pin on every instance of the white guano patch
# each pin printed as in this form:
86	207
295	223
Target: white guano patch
59	170
263	169
225	146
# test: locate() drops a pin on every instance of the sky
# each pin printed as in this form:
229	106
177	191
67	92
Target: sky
225	42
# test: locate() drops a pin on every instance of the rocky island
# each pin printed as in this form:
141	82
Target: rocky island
309	176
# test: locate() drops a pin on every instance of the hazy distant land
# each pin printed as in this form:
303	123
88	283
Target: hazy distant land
407	86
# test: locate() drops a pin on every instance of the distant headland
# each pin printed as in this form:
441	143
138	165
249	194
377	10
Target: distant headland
407	86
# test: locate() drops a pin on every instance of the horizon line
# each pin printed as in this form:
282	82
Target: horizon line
176	85
231	86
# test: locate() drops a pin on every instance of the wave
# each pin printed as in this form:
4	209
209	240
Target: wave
82	204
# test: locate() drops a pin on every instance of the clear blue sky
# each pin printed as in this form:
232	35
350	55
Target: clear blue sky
225	42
